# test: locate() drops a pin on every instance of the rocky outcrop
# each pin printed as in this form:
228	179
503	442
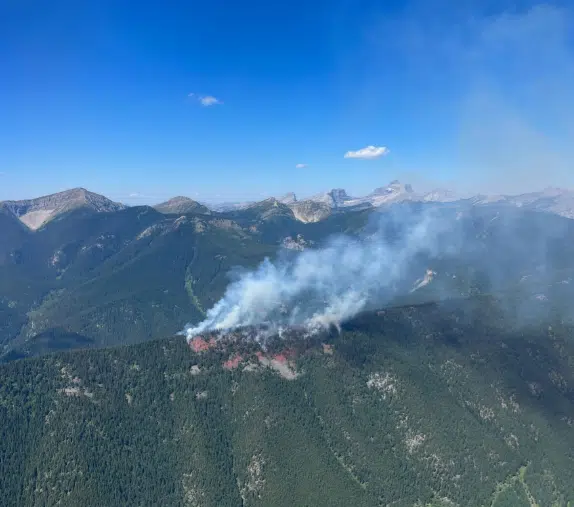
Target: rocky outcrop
335	198
310	211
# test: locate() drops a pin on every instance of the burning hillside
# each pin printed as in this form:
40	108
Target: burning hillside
245	349
263	335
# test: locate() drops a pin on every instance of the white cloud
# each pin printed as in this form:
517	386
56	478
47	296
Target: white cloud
300	166
368	153
205	100
209	100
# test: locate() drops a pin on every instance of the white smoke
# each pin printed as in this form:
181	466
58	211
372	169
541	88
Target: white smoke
317	289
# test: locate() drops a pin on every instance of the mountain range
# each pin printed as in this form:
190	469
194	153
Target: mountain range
97	273
454	386
34	213
552	200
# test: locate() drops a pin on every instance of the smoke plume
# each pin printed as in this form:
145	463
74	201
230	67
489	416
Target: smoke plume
316	289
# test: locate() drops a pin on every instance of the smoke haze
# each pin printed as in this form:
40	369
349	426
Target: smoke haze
320	288
506	122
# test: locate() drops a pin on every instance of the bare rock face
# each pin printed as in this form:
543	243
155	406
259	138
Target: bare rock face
181	205
335	198
310	211
36	212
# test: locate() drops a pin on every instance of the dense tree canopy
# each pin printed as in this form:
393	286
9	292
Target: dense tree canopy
418	405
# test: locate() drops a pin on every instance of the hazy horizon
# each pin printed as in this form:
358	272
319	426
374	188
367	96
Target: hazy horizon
232	198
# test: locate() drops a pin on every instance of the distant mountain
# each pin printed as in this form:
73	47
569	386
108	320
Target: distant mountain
320	206
268	211
182	205
230	206
392	193
393	188
335	198
310	211
36	212
551	200
289	198
440	195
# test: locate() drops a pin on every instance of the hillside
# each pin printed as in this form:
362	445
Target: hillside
102	279
429	405
13	233
119	278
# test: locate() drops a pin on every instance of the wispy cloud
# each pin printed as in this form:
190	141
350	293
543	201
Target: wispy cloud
301	166
205	100
368	153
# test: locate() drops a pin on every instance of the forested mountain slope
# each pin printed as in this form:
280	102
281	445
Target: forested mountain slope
427	405
100	279
88	279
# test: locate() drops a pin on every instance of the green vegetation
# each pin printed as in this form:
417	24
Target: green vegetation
116	278
434	405
89	279
469	402
131	275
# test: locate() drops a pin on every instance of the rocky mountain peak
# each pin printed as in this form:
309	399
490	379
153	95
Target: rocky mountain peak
178	200
334	198
181	204
36	212
339	195
310	211
393	188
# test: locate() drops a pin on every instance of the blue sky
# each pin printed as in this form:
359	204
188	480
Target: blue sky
479	96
